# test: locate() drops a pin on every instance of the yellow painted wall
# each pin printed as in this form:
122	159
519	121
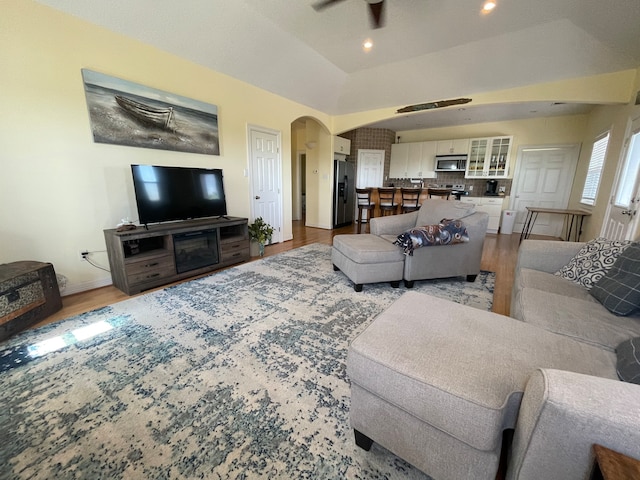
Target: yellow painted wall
59	189
617	119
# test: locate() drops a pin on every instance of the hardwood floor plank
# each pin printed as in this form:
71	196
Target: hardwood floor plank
499	256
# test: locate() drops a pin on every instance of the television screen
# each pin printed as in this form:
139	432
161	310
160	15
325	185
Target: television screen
177	193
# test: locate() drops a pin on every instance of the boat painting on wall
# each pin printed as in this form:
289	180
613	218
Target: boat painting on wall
126	113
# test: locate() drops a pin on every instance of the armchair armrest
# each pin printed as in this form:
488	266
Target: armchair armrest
563	414
393	224
546	255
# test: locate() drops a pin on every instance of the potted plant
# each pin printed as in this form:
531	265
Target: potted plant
260	233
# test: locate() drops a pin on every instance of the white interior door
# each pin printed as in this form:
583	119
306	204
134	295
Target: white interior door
543	178
370	168
265	167
621	218
370	173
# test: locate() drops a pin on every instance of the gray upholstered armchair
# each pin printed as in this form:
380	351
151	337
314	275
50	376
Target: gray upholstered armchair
440	261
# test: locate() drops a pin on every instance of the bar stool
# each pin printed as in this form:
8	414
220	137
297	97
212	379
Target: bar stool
439	192
363	197
387	199
410	199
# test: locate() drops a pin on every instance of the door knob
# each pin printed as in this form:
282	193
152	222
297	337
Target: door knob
257	197
628	212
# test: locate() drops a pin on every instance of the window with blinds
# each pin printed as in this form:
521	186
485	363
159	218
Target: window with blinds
596	164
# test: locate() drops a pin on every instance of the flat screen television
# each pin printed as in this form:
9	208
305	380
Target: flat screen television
166	194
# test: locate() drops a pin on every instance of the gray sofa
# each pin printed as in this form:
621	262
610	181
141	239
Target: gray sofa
440	389
427	263
374	258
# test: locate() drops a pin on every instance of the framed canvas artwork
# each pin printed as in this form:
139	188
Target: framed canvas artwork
126	113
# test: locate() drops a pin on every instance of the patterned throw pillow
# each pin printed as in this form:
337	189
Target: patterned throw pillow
619	289
593	260
447	232
628	364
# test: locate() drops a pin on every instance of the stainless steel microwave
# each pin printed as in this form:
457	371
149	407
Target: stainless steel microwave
451	163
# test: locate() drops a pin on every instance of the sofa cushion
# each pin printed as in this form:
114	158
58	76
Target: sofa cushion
593	260
365	248
462	370
628	364
433	210
548	282
583	320
446	232
619	288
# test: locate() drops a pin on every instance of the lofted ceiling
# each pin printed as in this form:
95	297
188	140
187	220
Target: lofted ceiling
428	50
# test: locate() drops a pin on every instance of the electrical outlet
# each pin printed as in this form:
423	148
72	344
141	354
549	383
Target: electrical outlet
471	188
501	189
83	255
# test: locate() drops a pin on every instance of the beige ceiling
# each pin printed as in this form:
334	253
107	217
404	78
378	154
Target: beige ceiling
429	49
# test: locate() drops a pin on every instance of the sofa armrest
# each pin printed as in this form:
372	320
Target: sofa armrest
546	255
393	224
563	414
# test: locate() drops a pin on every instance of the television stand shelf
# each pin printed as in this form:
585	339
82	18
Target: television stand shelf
150	257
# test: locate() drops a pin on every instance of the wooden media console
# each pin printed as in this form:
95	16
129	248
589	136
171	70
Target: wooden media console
146	258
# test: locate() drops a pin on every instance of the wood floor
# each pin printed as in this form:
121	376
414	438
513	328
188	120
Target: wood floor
499	256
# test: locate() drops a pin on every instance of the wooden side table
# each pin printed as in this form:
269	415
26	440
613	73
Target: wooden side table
611	465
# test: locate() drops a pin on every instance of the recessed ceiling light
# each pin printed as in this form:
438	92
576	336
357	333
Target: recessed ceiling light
367	45
488	6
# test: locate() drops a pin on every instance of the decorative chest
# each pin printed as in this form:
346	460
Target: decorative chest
28	293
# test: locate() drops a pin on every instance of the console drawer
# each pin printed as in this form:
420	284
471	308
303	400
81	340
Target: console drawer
150	269
236	255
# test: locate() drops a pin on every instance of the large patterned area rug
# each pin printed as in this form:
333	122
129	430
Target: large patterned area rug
237	375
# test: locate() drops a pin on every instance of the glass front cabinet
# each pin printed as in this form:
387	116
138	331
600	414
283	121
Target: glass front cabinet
489	157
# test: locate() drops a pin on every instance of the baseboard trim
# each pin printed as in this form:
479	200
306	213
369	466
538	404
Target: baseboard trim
84	286
324	227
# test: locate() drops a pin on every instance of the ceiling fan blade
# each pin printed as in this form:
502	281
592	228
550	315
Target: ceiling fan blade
376	13
324	4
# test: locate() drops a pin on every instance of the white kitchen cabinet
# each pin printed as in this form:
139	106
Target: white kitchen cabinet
412	160
491	205
399	160
428	160
489	157
458	146
341	145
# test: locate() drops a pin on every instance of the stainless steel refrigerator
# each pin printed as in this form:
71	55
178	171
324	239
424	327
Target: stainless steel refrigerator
344	192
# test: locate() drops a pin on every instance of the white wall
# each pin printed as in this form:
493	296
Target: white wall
59	189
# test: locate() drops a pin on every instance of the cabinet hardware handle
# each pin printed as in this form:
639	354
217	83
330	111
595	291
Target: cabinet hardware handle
153	275
151	264
236	254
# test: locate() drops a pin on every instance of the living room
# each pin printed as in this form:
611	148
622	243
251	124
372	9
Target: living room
61	189
48	146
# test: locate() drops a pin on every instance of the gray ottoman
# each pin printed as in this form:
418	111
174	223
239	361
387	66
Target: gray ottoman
367	259
437	383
